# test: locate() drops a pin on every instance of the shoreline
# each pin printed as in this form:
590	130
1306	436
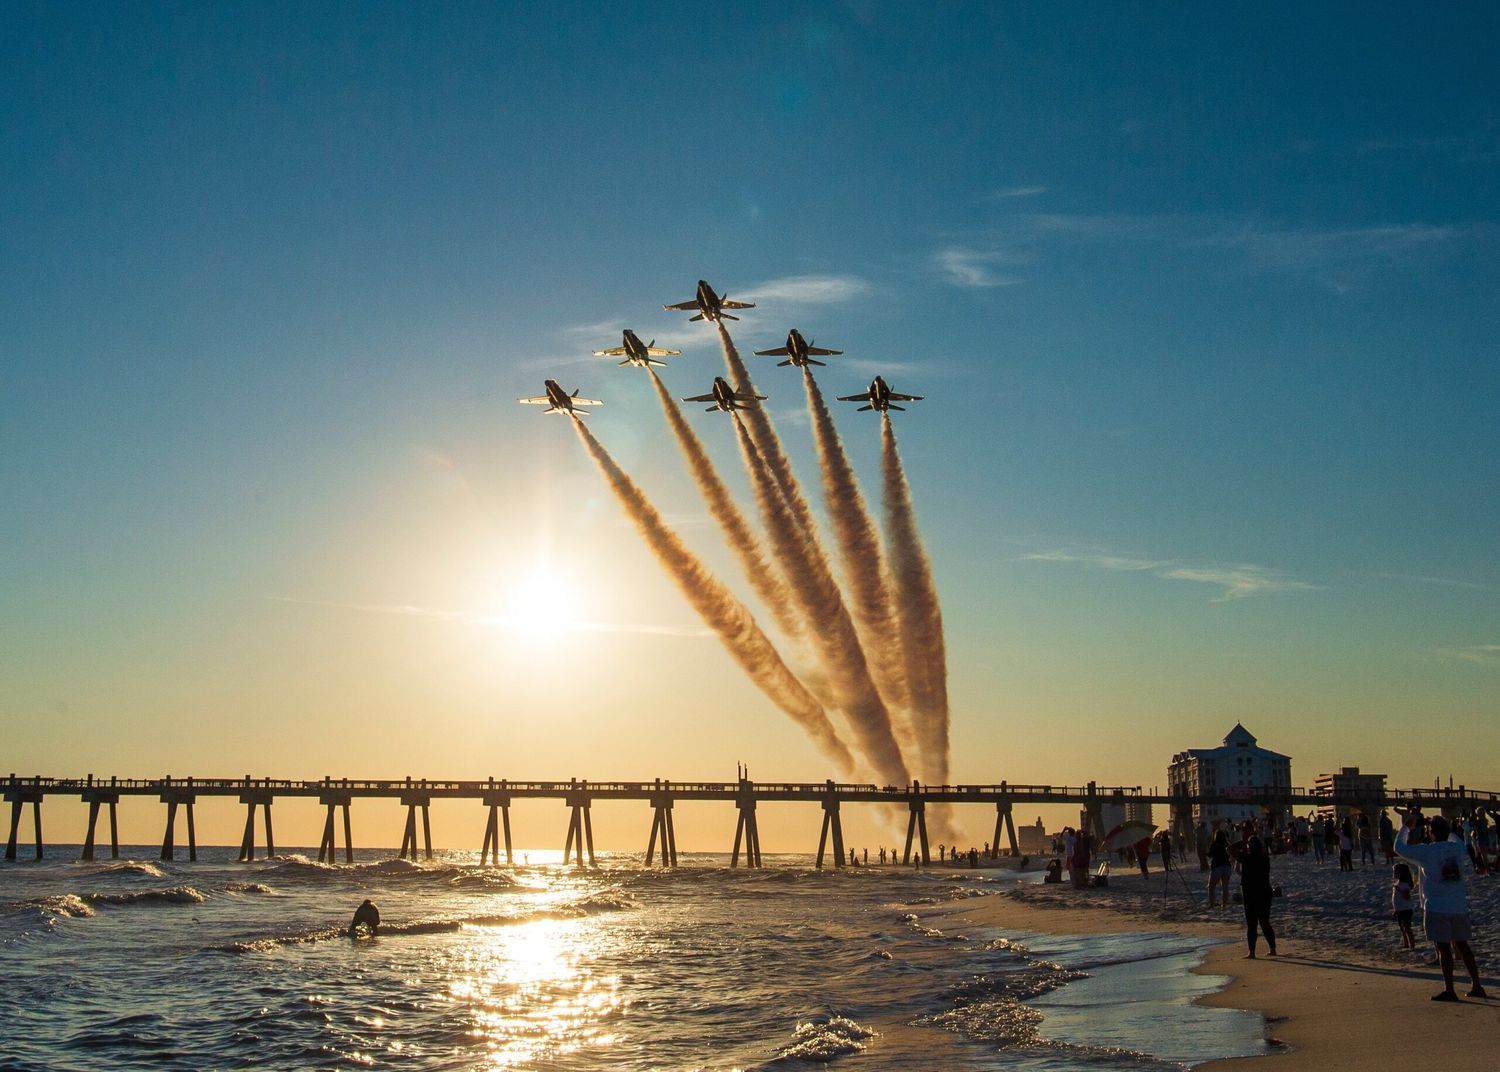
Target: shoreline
1330	1007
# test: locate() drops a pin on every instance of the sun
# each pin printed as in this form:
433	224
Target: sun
540	603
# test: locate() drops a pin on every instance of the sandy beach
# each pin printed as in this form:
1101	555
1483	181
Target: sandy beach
1341	995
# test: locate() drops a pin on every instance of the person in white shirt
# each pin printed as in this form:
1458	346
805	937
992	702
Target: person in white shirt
1445	903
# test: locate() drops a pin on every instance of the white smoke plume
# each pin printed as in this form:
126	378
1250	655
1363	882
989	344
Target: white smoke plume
865	572
917	606
766	580
721	611
833	636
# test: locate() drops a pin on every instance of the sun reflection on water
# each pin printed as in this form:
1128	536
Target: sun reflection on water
532	992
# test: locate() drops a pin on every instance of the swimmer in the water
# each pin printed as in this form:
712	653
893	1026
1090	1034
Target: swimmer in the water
366	914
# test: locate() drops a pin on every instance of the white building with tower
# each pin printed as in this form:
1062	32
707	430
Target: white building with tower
1238	768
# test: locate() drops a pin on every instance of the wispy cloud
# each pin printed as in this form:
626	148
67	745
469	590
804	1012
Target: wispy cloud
1089	227
435	614
975	267
1466	148
1440	582
1478	654
1339	259
808	289
1236	581
1012	192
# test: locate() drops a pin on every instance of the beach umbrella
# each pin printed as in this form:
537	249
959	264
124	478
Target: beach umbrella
1127	834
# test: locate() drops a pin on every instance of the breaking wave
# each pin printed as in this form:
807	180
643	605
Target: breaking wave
824	1039
128	867
174	895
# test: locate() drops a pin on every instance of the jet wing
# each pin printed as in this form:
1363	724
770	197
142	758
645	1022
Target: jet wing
782	351
614	351
585	402
863	396
660	351
820	352
904	398
701	398
736	305
748	396
682	306
540	400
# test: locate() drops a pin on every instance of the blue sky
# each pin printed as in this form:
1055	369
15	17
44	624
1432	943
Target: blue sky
1202	305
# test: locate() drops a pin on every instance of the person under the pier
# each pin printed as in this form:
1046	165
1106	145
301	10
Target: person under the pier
367	916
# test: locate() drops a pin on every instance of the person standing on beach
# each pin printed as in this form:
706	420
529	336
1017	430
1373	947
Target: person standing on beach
1401	903
1255	892
1445	902
1316	832
1220	866
1346	845
1201	841
1387	837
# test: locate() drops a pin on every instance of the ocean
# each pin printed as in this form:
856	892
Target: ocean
137	963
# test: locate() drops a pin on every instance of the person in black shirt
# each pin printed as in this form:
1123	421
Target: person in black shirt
1255	891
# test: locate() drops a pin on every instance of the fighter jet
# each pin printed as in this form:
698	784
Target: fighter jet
726	398
636	352
559	401
880	397
797	351
710	306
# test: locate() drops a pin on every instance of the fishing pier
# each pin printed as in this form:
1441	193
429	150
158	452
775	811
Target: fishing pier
661	795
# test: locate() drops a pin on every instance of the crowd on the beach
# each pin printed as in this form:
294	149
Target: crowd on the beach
1424	856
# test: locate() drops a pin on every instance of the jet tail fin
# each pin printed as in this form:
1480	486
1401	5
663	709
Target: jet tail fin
820	364
892	405
863	408
726	316
784	364
692	318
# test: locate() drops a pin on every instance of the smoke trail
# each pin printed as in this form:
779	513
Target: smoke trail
917	605
865	576
766	439
767	582
833	634
727	616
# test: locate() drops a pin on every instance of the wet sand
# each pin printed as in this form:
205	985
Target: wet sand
1334	1007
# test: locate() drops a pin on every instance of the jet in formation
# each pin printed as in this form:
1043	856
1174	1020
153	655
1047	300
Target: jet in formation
710	306
636	352
727	398
559	401
880	397
798	351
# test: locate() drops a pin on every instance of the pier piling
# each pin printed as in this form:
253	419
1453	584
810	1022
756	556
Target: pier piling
831	824
499	805
20	796
916	826
173	797
580	823
413	801
745	827
250	798
1006	821
661	822
328	847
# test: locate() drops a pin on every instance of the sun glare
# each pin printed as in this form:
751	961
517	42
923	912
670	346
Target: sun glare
541	604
